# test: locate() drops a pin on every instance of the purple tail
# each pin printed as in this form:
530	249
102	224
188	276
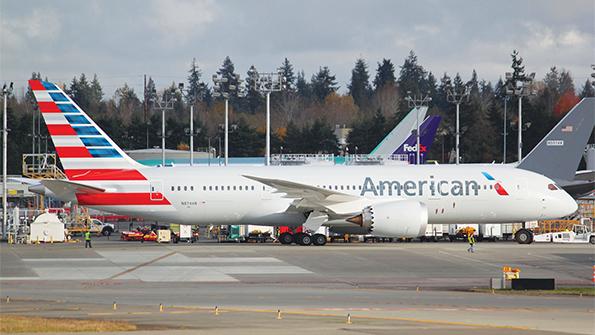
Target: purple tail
427	131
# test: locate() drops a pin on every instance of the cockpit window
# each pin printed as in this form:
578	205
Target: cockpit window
552	187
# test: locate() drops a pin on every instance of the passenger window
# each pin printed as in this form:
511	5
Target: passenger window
240	187
360	187
204	188
252	188
234	187
179	188
228	187
246	187
216	188
191	188
173	188
185	188
210	188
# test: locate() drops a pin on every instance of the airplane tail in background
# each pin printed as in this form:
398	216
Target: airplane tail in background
427	133
85	151
558	154
400	133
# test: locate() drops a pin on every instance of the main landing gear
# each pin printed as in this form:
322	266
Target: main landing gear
302	239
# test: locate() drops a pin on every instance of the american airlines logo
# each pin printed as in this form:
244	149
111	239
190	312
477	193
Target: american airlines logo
420	188
413	148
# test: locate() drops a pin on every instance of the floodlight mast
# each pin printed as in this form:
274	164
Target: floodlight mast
456	97
225	92
192	99
267	83
520	88
6	91
417	102
163	103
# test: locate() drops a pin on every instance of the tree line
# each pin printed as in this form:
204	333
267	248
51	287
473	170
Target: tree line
306	111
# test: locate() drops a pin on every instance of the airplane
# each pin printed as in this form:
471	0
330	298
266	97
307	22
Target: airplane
400	133
427	131
566	142
386	201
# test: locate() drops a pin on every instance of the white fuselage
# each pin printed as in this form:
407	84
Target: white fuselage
452	194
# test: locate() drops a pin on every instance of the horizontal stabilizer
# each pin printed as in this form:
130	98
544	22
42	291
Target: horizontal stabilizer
67	190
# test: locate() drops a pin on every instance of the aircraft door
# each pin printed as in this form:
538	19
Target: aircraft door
156	190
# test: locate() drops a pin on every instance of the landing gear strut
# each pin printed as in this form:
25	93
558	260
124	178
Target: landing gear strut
303	239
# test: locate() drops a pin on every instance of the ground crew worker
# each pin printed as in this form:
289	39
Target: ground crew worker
471	240
88	239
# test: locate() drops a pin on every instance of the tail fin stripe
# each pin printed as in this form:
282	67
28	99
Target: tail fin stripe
36	85
48	107
73	152
104	153
77	119
85	130
60	130
58	97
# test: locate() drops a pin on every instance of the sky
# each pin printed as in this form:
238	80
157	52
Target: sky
121	40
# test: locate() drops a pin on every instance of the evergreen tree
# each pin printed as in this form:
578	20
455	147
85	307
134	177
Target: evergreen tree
323	83
244	141
412	77
385	74
294	139
197	90
518	69
367	133
359	87
227	71
253	100
303	87
80	92
96	91
287	73
566	83
588	90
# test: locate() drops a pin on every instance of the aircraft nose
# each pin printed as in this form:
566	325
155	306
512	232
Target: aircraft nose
565	205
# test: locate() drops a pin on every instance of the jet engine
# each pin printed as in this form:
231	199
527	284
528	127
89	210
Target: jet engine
393	219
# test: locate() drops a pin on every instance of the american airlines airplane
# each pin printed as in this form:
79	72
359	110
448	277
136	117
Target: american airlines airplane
388	201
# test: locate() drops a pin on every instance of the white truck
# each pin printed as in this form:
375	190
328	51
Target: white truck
578	234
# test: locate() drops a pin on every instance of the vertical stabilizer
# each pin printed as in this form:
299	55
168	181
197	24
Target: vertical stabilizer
558	154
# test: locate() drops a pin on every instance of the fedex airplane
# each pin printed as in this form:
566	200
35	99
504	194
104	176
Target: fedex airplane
427	132
388	201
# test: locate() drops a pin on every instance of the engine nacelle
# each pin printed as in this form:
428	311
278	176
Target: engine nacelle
405	218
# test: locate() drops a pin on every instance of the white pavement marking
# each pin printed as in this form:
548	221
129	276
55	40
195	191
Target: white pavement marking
178	274
254	270
63	259
174	268
77	272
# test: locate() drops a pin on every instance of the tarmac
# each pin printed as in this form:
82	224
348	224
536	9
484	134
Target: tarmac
415	288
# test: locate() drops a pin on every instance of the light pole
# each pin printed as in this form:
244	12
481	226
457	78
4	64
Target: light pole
505	125
224	87
163	103
417	102
192	98
456	97
267	83
520	88
5	92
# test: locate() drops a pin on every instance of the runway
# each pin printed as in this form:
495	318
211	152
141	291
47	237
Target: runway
413	283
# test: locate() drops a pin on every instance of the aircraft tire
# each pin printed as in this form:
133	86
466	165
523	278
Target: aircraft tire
318	239
286	238
303	239
524	236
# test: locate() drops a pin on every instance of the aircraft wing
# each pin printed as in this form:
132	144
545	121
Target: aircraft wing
308	197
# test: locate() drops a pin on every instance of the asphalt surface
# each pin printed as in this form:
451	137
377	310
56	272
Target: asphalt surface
417	287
